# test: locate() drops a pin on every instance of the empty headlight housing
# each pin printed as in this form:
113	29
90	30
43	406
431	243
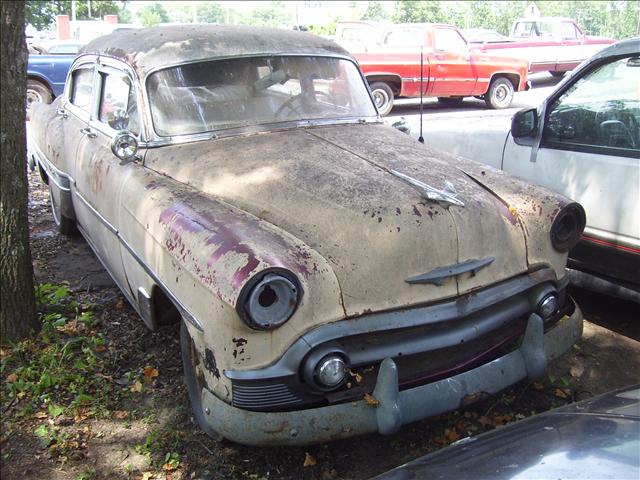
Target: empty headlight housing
567	227
270	300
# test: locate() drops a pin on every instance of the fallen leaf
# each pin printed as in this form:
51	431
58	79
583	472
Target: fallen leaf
309	460
121	414
576	371
538	386
12	378
4	353
150	373
451	435
82	415
120	304
169	467
41	415
101	348
484	421
146	476
358	378
108	378
371	400
136	387
561	392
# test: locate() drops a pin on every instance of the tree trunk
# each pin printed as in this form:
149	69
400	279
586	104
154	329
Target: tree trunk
17	308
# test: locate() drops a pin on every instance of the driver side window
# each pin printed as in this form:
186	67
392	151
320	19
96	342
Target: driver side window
118	99
600	112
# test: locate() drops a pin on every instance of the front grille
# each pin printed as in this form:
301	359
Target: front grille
264	397
427	343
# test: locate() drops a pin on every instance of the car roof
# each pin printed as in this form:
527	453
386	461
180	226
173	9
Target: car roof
623	47
148	49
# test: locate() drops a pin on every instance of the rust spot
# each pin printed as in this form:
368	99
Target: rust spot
379	219
398	211
416	211
210	363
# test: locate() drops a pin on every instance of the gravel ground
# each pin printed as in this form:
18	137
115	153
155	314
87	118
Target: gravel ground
156	421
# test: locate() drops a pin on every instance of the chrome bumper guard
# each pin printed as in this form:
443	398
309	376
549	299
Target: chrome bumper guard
394	408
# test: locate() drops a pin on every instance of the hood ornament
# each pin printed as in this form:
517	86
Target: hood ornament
447	195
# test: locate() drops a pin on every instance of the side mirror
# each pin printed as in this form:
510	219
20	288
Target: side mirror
125	146
524	123
118	119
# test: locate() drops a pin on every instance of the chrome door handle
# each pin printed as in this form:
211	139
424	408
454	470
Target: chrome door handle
88	132
62	112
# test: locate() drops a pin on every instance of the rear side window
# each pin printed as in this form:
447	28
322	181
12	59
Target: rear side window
82	88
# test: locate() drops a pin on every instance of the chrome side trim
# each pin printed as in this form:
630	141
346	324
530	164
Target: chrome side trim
188	316
61	179
181	308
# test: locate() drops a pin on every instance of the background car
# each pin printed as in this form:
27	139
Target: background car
597	438
583	141
481	35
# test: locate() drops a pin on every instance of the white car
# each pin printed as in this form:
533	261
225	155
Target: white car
584	142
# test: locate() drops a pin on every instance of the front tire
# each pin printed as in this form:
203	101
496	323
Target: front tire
193	381
382	97
500	94
65	225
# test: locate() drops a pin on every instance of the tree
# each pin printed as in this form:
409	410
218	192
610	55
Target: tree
211	12
375	11
42	13
271	14
153	14
409	11
17	300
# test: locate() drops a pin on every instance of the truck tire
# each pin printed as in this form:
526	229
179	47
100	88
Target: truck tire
37	92
500	93
382	97
556	74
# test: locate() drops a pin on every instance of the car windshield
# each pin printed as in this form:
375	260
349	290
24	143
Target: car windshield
222	94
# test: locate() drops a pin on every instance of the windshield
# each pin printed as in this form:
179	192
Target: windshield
221	94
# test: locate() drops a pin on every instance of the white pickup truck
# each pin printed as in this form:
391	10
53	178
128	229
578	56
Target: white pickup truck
551	44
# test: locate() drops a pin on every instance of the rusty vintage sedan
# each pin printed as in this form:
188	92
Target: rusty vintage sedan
332	276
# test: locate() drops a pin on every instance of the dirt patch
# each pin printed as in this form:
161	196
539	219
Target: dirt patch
147	431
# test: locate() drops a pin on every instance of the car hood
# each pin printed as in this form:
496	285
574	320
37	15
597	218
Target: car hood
331	187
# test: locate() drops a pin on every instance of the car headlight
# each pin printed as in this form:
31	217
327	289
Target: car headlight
271	301
567	227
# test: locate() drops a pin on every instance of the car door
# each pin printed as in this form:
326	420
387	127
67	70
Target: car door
100	175
75	111
589	150
452	71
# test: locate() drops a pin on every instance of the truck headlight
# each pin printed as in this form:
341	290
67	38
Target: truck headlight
271	301
567	227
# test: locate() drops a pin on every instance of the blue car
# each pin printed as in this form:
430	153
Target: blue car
46	76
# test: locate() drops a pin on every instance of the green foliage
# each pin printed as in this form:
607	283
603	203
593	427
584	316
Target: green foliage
375	11
211	12
58	370
153	14
408	11
161	446
271	14
42	13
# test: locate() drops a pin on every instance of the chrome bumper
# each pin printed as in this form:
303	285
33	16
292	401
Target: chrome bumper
395	408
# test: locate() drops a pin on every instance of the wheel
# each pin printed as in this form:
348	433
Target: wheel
37	92
382	97
194	382
66	225
500	93
450	101
556	74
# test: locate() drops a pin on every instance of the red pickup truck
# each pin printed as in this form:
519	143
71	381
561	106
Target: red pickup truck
552	44
451	71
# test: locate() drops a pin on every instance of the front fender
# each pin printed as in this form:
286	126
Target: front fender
205	251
